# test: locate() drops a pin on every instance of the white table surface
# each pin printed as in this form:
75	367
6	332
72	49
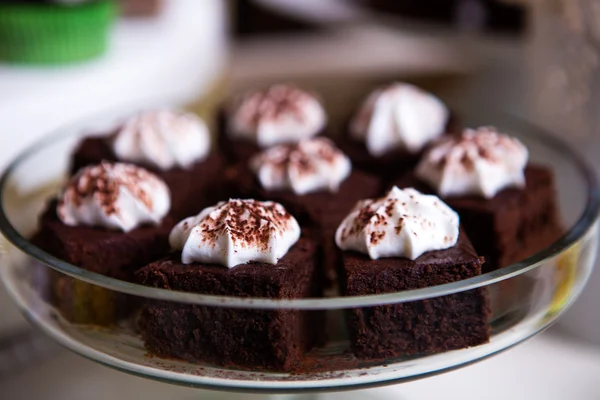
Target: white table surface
35	101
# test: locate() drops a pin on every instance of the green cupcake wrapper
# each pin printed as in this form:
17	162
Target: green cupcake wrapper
52	34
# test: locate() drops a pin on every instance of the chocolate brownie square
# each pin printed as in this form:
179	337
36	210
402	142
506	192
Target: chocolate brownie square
108	252
112	253
511	226
192	189
240	338
427	326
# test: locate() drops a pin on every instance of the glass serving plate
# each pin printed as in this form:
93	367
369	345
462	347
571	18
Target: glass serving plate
525	297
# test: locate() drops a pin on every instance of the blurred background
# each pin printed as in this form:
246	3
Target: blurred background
537	59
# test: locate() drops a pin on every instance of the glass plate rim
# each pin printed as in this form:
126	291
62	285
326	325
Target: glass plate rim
573	235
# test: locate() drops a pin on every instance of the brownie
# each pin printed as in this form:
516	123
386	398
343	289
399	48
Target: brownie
514	224
238	150
426	326
192	189
112	253
108	252
389	165
240	338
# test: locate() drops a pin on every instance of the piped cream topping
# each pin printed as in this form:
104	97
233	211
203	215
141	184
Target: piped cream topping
115	196
236	232
163	139
399	116
311	165
279	114
403	223
478	162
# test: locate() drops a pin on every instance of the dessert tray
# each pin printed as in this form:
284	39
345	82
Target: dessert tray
525	298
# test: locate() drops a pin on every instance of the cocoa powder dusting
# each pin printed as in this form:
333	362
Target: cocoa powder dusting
302	157
248	222
273	102
376	237
365	213
472	145
103	182
399	225
389	209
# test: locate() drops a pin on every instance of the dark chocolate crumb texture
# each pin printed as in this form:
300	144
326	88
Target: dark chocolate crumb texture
407	240
264	258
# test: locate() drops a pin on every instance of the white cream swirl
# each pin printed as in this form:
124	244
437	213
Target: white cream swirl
276	115
478	162
403	223
114	196
236	232
311	165
163	139
400	116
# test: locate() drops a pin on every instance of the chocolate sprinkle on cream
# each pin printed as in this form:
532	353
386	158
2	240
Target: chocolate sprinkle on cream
473	145
274	102
479	162
103	182
403	223
248	222
301	157
307	166
113	195
236	232
278	114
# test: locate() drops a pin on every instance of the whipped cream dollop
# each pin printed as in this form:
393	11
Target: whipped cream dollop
478	162
278	114
163	139
403	223
399	116
311	165
115	196
236	232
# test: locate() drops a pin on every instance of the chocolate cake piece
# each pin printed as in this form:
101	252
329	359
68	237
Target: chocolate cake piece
112	253
427	326
511	226
239	338
192	189
108	252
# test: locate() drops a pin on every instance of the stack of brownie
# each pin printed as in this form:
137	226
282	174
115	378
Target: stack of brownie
324	211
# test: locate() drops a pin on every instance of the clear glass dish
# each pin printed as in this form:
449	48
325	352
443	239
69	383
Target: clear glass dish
525	297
